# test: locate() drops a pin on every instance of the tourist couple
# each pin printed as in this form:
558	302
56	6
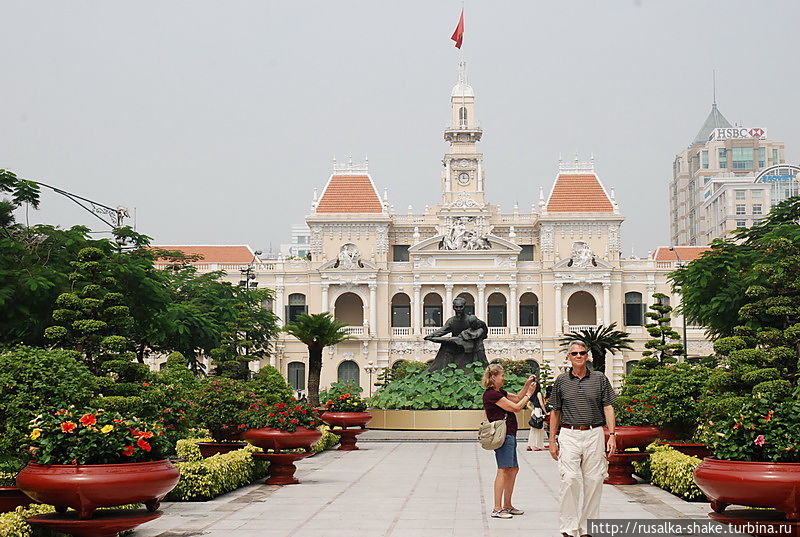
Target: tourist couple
581	402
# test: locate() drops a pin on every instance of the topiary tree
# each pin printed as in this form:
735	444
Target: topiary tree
317	331
661	331
600	341
270	386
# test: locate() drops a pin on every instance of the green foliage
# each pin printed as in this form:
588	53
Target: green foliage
270	386
670	470
205	479
399	370
34	379
600	341
287	416
220	402
446	389
316	331
765	428
15	523
337	389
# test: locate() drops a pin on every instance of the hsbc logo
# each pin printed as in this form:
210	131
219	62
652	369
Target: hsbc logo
724	133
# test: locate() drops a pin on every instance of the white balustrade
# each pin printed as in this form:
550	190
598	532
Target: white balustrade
354	330
529	330
498	330
401	330
579	327
428	330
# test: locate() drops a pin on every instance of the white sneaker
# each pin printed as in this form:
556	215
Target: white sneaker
502	513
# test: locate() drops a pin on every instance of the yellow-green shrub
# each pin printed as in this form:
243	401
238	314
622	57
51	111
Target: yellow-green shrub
13	524
670	470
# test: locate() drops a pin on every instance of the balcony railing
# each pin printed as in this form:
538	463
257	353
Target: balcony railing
529	330
354	330
428	330
401	330
498	330
579	327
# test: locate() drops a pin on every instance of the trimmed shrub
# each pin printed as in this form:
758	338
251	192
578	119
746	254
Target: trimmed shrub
211	477
270	386
14	524
670	470
33	379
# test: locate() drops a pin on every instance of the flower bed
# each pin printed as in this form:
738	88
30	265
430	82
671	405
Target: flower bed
670	470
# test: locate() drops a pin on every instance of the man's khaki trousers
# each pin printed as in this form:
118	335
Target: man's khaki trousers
583	466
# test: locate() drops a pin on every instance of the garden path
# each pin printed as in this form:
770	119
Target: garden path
403	489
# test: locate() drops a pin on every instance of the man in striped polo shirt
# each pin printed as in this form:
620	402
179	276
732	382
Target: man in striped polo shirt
582	402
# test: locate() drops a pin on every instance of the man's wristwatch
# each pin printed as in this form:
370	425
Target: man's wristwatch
612	434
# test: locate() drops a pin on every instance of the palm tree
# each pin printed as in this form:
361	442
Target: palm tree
317	331
599	341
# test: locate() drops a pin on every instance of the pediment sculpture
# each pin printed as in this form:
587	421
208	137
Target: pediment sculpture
582	256
349	258
461	237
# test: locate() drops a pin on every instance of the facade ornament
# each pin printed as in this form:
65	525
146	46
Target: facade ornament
460	237
529	347
547	239
349	258
582	256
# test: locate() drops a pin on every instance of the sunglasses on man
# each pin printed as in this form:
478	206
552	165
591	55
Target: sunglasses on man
579	353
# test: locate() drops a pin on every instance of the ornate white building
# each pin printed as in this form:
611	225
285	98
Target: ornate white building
532	275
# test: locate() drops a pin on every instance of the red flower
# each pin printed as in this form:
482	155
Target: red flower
142	443
297	407
346	395
294	421
145	384
68	426
117	420
305	412
759	441
271	414
768	417
128	451
88	419
329	403
342	397
654	396
282	420
737	425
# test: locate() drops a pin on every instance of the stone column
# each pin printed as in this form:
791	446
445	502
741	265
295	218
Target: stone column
480	305
513	311
416	310
448	301
558	310
373	309
325	296
606	304
280	305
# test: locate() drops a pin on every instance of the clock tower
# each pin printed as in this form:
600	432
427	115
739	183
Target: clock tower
462	179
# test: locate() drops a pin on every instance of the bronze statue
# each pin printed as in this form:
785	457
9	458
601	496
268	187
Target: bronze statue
465	345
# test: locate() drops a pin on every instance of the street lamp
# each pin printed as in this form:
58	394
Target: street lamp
371	368
681	264
249	273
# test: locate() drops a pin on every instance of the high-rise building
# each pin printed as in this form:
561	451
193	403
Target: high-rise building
720	152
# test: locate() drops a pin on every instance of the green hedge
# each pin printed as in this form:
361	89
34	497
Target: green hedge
203	479
15	524
670	470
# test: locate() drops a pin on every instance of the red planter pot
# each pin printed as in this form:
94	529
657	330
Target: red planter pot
755	484
11	498
634	436
347	419
87	487
268	438
700	451
209	449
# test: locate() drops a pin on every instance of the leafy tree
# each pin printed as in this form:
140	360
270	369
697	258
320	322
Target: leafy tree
93	320
247	335
317	331
661	331
599	341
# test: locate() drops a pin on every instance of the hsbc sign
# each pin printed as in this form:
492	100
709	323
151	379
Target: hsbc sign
724	133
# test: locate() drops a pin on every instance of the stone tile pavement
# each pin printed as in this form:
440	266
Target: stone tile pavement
403	489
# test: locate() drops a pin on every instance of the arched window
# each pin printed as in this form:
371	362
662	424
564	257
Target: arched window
349	309
297	305
634	309
581	309
296	373
349	372
432	310
496	310
462	116
401	310
469	308
528	310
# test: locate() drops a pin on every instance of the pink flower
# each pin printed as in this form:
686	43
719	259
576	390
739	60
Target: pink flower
759	441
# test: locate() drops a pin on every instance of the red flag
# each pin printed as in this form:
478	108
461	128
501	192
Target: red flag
458	35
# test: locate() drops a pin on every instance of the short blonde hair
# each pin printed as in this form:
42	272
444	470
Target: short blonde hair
488	375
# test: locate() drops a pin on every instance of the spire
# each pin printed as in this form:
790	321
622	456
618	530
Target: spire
462	88
715	119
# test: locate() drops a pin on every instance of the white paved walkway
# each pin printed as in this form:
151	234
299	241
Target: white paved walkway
403	489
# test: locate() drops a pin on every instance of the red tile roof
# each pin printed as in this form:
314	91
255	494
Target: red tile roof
684	253
240	253
578	193
350	194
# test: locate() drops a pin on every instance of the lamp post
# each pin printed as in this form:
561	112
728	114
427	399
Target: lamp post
681	264
249	273
371	368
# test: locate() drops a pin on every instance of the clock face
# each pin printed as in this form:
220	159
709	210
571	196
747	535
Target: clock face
463	178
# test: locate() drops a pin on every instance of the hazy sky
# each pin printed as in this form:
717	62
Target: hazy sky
216	120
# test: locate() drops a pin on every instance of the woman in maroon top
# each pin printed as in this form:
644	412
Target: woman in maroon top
499	404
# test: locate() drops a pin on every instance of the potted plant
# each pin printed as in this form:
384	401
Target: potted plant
280	427
347	410
220	402
756	457
634	430
92	458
